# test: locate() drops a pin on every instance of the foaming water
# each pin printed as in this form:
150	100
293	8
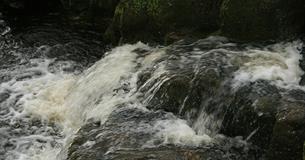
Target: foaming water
179	132
71	101
30	136
53	104
277	63
90	95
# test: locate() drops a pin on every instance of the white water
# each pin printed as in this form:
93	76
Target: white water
277	63
70	100
179	132
90	95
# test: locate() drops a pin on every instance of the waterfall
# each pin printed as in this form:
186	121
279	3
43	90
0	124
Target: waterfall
43	107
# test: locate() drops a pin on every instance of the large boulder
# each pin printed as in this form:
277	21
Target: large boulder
205	82
268	119
262	19
288	130
200	90
251	113
130	134
153	20
195	84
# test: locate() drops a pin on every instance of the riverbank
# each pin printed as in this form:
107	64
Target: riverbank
166	21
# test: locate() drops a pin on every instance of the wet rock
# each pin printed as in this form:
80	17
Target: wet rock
3	96
262	20
265	117
194	82
288	132
151	20
122	130
251	114
171	94
129	134
302	63
174	153
200	90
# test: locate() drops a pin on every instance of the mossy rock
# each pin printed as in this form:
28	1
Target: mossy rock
262	19
151	20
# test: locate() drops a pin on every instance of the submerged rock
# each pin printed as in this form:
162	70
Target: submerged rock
262	20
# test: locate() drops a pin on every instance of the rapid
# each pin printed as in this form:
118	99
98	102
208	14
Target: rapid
50	90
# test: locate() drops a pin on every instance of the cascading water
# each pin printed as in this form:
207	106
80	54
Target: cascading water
45	101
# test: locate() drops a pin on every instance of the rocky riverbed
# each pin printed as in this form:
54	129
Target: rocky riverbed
154	79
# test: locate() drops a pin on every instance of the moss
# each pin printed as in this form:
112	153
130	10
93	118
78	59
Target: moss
153	7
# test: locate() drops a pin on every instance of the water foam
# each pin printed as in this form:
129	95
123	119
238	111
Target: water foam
70	100
177	131
36	137
277	63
